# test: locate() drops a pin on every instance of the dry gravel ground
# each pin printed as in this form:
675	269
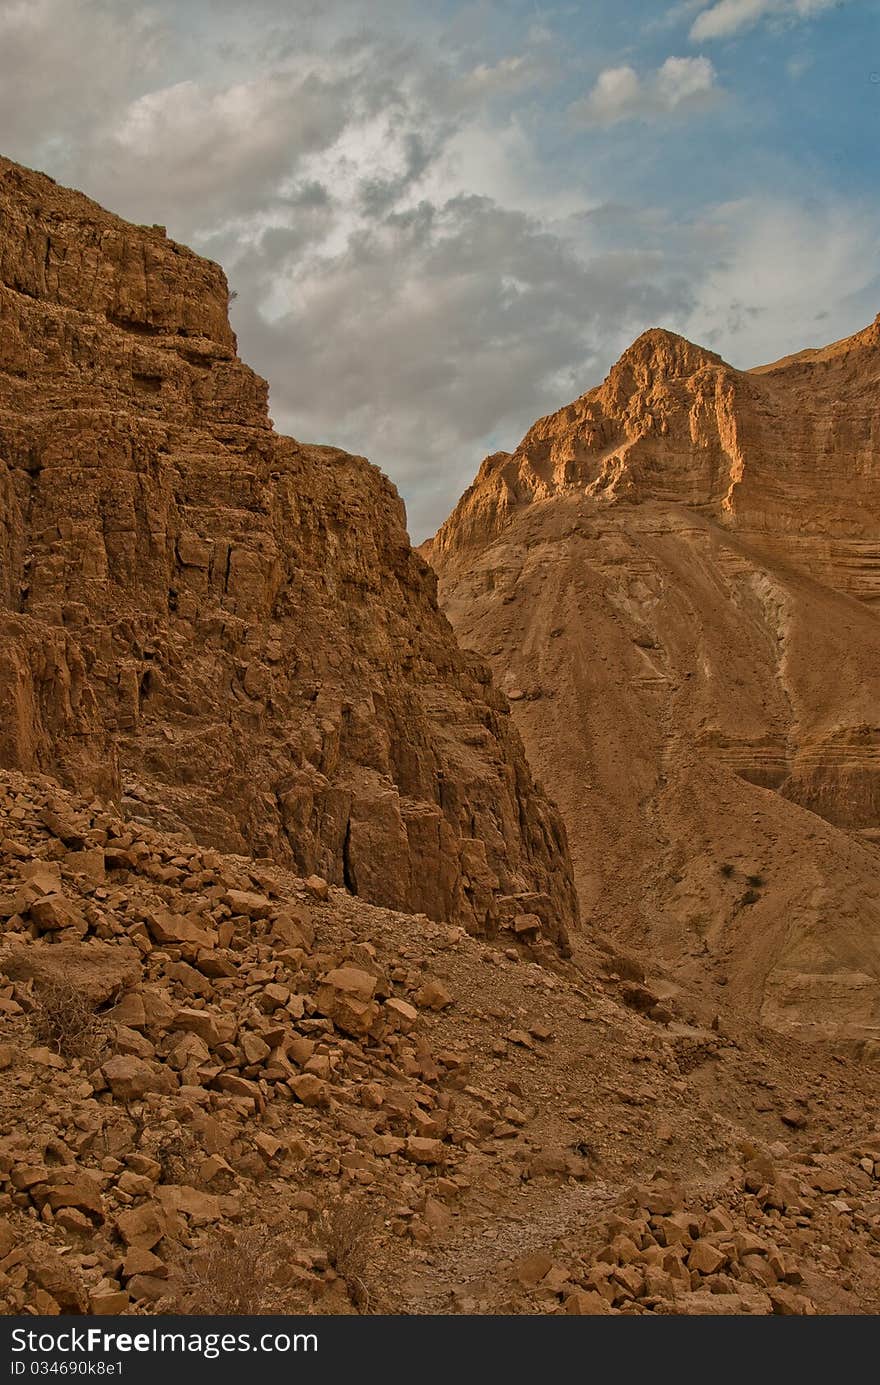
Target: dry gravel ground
504	1131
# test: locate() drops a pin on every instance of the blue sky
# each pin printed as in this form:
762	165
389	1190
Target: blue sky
445	219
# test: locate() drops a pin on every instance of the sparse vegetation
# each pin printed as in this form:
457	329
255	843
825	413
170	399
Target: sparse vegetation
346	1232
233	1275
175	1153
65	1019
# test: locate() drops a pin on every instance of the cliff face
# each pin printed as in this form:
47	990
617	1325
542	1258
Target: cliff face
675	580
788	453
224	628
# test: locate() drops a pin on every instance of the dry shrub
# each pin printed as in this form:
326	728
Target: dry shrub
247	1271
346	1232
176	1153
64	1019
233	1275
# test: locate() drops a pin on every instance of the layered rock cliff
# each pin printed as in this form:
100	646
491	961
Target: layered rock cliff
225	629
675	580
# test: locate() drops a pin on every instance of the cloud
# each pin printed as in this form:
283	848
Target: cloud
440	328
621	94
728	17
784	275
65	63
218	151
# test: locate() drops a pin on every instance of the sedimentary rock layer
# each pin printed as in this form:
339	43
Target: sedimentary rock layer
224	628
673	579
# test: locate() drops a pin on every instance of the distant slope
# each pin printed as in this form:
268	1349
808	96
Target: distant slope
664	576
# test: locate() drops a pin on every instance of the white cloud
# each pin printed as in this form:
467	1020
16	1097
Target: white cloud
217	150
728	17
784	275
442	327
621	94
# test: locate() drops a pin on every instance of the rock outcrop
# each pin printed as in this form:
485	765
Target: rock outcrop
223	629
675	581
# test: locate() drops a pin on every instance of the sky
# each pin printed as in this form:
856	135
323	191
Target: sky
443	220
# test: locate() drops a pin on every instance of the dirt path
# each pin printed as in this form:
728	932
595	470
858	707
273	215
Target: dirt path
468	1258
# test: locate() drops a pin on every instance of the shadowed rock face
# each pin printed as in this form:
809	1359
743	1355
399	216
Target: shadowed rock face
676	580
226	628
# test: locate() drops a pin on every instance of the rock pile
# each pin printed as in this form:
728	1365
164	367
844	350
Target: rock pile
207	1060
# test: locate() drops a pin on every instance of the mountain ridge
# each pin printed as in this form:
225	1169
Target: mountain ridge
661	575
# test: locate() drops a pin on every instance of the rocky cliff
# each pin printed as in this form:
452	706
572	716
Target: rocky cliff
675	580
226	630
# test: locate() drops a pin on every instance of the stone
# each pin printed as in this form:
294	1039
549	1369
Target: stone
55	1277
130	1011
89	863
108	1303
420	1150
142	1227
294	929
586	1303
308	1089
437	1217
401	1014
317	887
792	1117
433	995
253	906
304	1201
236	1085
130	1077
147	1288
83	1195
212	1028
200	1207
705	1258
345	997
531	1269
352	981
660	1199
255	1049
53	912
166	927
64	828
386	1145
787	1303
7	1238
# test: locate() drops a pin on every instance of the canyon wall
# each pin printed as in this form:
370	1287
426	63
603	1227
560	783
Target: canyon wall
224	629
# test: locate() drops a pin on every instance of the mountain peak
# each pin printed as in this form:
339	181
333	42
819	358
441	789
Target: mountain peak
674	422
676	353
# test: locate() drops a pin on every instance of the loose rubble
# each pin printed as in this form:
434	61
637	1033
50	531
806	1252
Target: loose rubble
264	1053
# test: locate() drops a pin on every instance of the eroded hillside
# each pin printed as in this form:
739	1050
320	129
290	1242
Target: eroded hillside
674	580
228	1089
